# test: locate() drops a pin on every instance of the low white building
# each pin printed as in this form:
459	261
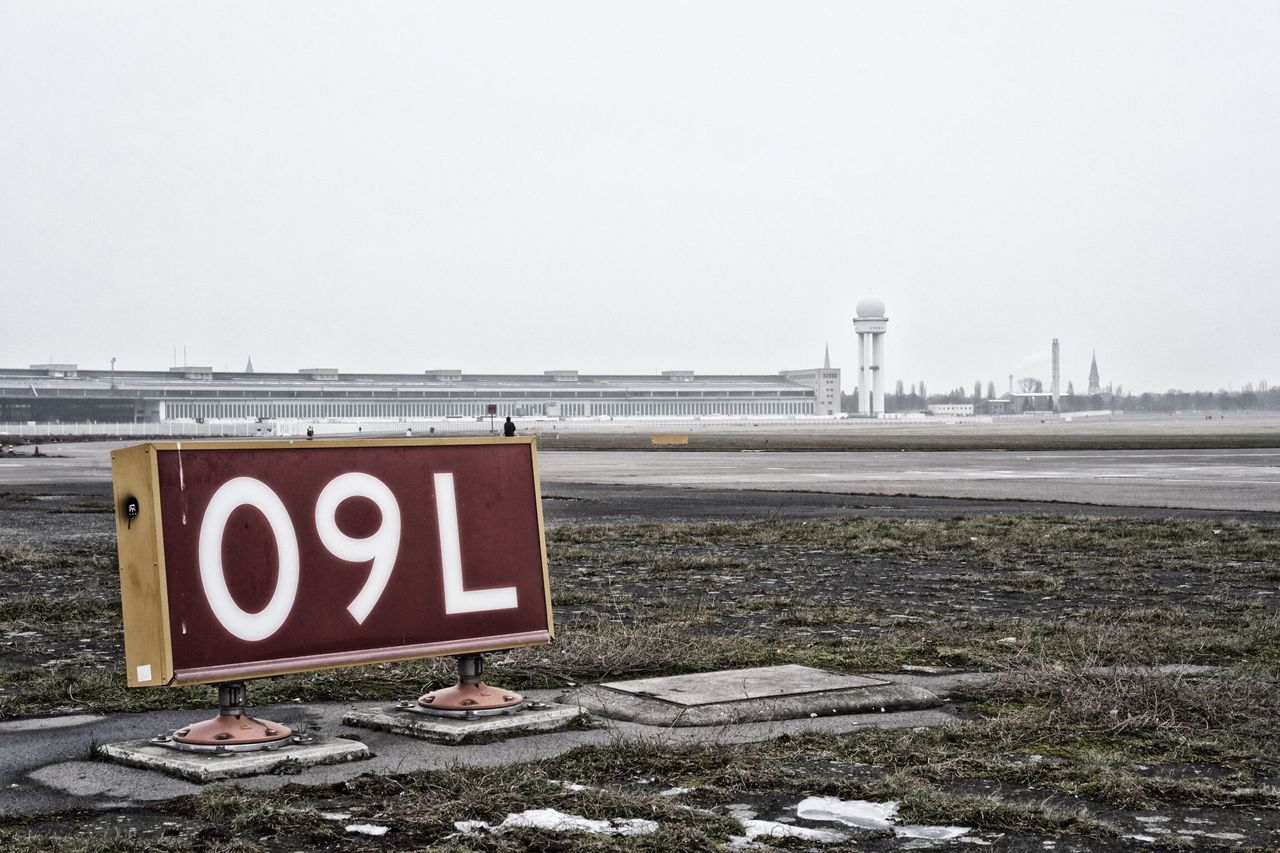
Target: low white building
49	393
952	409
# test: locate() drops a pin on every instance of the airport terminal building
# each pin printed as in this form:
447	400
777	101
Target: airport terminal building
64	393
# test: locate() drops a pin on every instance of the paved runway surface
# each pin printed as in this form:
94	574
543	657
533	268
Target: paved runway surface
1242	480
1200	479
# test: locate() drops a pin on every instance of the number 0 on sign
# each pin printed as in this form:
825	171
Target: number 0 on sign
249	559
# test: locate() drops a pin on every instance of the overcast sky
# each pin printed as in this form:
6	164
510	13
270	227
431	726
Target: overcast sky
633	187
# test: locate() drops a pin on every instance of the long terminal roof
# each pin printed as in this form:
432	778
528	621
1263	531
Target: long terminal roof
154	381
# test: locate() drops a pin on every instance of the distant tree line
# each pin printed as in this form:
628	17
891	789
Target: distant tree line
1248	399
1260	397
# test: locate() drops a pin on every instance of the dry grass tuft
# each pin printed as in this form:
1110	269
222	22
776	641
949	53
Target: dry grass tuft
1139	700
604	648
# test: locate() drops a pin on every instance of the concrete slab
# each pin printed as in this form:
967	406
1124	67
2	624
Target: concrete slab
42	774
207	767
734	685
447	730
748	695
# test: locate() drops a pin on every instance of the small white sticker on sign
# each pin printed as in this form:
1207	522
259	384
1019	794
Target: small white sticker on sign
144	672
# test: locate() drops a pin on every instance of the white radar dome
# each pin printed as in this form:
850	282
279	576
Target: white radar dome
870	306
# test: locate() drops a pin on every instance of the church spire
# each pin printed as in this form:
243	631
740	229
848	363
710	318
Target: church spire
1095	387
248	368
826	359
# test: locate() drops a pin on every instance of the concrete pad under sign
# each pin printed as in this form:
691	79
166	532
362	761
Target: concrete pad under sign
747	695
449	730
208	767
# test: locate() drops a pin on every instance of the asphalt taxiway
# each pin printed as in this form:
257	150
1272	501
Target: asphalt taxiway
1235	480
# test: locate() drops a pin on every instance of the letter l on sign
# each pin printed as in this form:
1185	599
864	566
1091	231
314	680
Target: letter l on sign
457	599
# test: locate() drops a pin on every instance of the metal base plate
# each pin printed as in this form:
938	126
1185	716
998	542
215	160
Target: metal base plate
228	733
416	707
468	700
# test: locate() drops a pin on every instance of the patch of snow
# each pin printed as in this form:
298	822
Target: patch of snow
335	815
367	829
1140	837
674	792
1154	818
863	814
857	813
557	821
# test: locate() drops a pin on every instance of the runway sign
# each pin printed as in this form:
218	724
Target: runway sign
248	559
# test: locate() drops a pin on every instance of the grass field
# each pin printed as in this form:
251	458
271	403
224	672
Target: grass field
1076	739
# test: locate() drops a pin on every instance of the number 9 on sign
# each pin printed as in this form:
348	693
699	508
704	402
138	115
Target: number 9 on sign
381	546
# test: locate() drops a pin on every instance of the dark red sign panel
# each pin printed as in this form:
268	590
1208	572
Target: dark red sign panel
280	558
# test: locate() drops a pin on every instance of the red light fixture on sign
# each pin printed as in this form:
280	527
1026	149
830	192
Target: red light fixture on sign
249	559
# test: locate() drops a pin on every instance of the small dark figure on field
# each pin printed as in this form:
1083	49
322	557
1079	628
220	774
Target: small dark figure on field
311	433
508	428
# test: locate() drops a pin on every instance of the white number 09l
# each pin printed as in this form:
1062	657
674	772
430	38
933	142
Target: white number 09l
379	548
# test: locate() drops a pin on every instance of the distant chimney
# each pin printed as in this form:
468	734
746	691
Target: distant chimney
1053	388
